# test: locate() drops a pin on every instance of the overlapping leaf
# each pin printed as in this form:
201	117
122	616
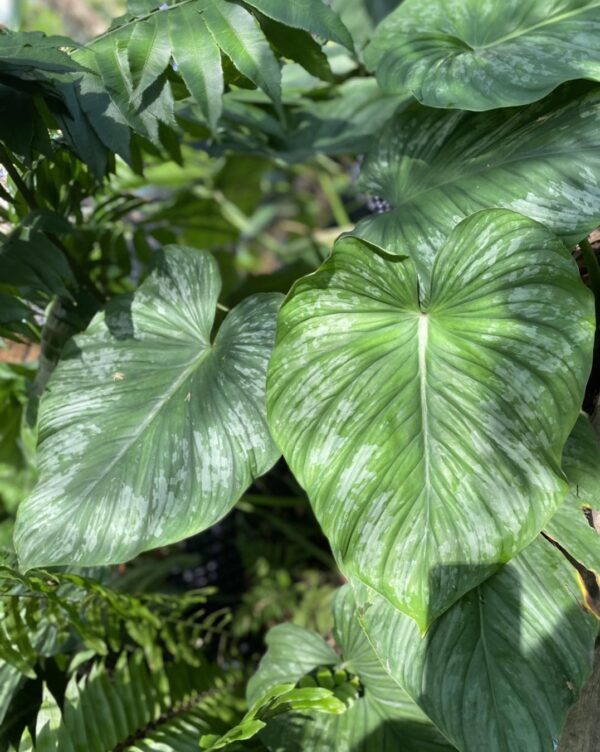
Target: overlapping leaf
435	168
312	16
38	75
479	56
428	434
569	526
382	719
150	428
499	670
346	122
133	57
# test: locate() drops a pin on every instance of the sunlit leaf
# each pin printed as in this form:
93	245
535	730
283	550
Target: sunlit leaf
428	429
151	427
473	55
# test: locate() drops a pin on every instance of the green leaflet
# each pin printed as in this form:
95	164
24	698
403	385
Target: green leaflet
313	16
436	168
198	60
133	56
30	262
33	51
148	52
472	55
569	527
278	700
382	719
148	432
404	419
240	37
344	123
135	710
499	670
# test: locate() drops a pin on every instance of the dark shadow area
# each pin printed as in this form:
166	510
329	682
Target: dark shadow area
494	673
119	319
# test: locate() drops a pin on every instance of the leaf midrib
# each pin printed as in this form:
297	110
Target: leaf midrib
188	370
422	339
486	660
411	198
140	19
546	22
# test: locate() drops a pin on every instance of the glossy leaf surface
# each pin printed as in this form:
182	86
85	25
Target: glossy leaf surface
151	429
475	55
383	719
428	436
499	670
435	168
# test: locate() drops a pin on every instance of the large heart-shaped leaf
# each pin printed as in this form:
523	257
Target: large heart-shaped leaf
383	719
569	526
430	435
498	671
435	168
478	56
150	430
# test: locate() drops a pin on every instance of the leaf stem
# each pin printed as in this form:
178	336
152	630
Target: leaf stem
335	203
8	163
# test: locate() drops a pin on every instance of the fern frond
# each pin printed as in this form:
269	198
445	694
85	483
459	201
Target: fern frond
134	709
41	610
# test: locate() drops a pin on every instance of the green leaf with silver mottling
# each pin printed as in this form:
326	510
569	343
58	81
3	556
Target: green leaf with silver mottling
428	436
382	719
474	55
435	168
150	429
569	526
499	670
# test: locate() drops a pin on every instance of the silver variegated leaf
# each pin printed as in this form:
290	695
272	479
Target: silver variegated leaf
435	168
499	670
428	434
151	427
475	55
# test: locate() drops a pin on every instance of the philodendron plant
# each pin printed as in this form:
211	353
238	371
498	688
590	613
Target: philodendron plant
425	385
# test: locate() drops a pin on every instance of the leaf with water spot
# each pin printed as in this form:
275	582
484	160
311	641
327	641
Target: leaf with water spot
428	435
151	427
474	55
